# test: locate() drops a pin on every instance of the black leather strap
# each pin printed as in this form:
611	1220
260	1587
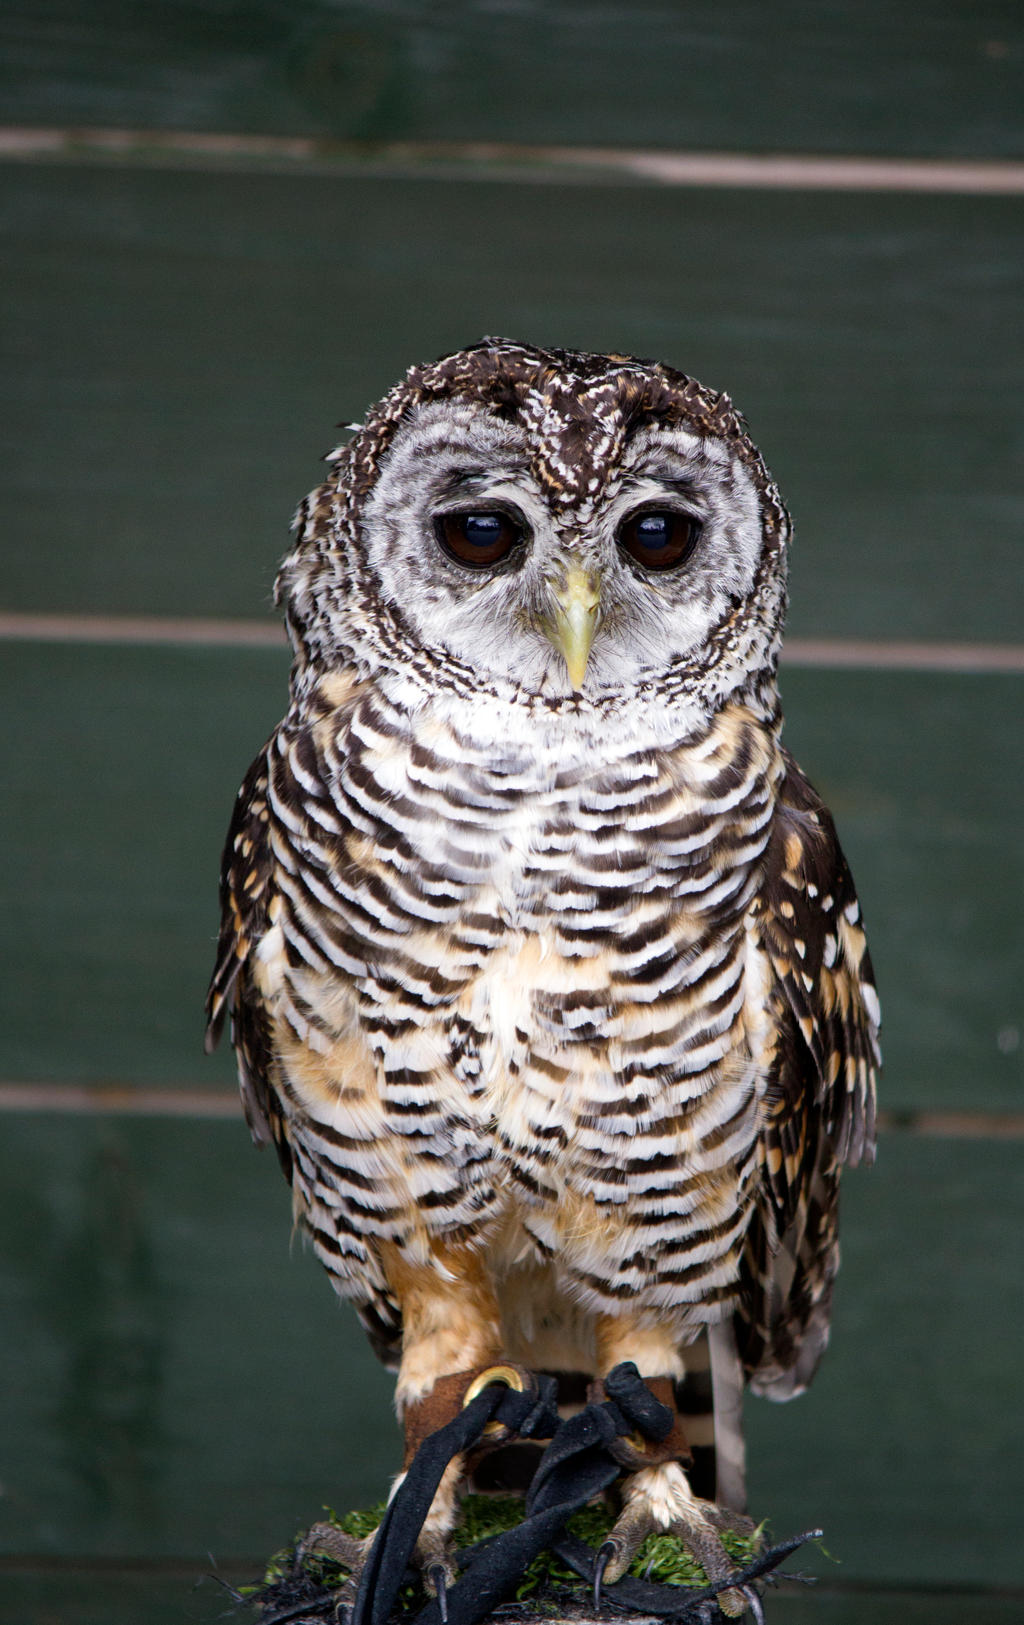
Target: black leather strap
679	1603
528	1414
577	1465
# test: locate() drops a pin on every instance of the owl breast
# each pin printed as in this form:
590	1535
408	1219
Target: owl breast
534	1011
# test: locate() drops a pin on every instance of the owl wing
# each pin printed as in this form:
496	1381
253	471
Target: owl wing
821	1093
246	892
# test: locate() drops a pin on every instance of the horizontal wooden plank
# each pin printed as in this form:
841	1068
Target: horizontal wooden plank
116	808
111	1594
180	1381
513	162
924	774
866	78
194	338
858	654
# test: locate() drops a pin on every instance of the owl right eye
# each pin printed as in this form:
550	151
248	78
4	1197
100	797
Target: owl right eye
479	537
659	539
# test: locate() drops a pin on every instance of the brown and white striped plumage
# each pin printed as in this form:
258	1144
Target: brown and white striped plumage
555	1000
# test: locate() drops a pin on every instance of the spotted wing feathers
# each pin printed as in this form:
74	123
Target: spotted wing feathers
246	890
821	1097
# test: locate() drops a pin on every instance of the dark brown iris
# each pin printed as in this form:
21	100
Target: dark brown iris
479	537
659	538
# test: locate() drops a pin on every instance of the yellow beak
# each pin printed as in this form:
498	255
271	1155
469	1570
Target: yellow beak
571	629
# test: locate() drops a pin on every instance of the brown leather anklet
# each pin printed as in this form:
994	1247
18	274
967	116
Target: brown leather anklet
632	1450
451	1394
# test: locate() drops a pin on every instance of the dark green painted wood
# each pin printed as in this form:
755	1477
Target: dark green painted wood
179	1381
178	348
123	764
909	1448
935	78
122	771
925	778
77	1596
179	1384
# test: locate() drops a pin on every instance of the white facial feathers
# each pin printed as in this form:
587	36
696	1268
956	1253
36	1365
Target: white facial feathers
458	456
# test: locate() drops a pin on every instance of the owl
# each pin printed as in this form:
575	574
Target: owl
545	970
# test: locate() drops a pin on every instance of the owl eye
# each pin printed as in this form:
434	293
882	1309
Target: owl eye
659	538
479	537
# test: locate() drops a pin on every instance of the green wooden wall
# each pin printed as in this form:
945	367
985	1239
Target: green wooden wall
181	330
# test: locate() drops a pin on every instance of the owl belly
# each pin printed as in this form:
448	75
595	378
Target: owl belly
626	1115
580	1111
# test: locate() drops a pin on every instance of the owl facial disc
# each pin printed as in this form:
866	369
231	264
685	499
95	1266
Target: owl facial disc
550	527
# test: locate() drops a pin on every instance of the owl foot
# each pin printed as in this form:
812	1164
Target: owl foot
659	1501
434	1557
327	1540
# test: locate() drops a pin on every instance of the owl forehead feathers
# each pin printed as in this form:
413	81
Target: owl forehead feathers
578	411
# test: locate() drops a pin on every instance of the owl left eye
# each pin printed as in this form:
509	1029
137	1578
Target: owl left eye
479	537
659	538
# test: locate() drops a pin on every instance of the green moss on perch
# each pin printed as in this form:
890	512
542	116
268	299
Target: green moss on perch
661	1557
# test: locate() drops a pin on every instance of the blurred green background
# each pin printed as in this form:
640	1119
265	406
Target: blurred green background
181	331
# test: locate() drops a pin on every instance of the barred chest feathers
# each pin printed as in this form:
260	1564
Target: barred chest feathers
550	982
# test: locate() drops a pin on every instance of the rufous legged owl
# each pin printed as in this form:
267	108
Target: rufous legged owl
545	969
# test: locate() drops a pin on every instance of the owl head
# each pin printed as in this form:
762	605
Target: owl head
561	527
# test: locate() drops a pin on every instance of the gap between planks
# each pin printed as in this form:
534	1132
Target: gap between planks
870	654
112	1099
514	161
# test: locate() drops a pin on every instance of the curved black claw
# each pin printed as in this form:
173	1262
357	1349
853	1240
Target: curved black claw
604	1556
754	1600
439	1580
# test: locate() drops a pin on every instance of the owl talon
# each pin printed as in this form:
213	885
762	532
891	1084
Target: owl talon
754	1603
437	1577
434	1558
604	1556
